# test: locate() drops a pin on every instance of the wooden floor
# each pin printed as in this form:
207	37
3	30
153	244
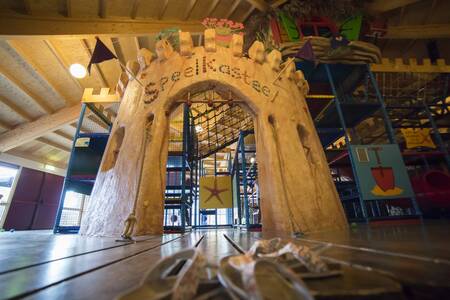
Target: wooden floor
40	265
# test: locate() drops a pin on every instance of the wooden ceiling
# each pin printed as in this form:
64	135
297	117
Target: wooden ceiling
45	37
39	40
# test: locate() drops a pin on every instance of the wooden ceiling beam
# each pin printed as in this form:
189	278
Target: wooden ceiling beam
136	43
28	118
29	60
14	26
40	102
134	9
212	7
232	8
427	31
30	131
19	111
261	5
189	9
278	3
247	14
64	135
69	4
163	9
103	9
5	125
32	160
27	6
118	50
381	6
62	61
53	144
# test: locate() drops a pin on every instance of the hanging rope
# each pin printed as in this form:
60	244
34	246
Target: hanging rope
131	220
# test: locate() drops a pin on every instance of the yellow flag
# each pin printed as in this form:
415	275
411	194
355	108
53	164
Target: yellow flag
215	192
417	137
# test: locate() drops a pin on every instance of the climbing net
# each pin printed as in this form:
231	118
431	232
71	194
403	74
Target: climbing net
217	126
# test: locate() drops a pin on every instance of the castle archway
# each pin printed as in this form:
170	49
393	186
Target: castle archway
297	192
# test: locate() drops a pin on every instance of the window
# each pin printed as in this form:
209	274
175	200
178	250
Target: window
8	179
74	207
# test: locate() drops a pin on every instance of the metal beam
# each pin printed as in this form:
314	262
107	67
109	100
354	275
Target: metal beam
18	26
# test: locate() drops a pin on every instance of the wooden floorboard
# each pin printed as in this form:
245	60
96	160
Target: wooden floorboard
415	239
74	267
215	245
112	280
24	249
420	275
28	280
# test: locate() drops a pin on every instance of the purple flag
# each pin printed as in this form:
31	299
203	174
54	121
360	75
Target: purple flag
338	40
101	53
306	52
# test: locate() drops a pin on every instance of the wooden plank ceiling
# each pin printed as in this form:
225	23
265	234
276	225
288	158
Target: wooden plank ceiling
39	40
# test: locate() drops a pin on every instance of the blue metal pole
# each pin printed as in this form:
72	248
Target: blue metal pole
69	169
436	134
244	180
215	174
387	120
347	141
183	165
388	126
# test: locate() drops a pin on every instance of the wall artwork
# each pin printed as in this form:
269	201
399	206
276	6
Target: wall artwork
215	192
381	172
418	137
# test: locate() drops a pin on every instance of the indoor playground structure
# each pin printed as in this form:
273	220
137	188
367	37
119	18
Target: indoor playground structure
238	149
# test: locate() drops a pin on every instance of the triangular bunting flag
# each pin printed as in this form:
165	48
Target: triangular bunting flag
306	52
100	54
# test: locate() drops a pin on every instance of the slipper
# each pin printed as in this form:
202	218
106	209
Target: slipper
175	277
306	261
261	279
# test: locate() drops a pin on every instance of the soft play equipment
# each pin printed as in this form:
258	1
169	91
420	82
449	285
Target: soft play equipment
432	191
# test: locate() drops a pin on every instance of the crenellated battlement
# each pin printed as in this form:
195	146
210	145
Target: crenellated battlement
229	62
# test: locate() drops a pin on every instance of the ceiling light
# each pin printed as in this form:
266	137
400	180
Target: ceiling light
77	70
198	128
252	160
49	167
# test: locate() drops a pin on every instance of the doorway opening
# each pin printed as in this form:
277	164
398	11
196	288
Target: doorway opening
211	177
8	180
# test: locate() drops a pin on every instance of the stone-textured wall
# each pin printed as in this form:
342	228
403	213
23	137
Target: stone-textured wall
297	192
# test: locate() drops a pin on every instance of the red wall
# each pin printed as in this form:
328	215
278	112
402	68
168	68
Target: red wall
35	201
